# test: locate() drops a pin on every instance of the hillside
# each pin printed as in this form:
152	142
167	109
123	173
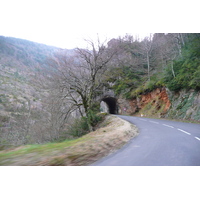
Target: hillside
20	62
159	76
20	52
155	77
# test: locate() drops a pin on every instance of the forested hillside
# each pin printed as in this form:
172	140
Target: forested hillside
20	61
167	62
49	94
171	60
23	52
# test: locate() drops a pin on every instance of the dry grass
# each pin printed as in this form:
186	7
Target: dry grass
112	134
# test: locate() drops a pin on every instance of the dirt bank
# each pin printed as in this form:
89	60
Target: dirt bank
155	102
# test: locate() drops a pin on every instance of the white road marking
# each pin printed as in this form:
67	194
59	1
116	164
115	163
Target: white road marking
136	146
154	122
184	131
168	125
143	120
197	138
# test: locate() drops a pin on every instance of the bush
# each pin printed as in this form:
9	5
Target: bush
126	80
195	82
187	75
80	126
94	118
156	81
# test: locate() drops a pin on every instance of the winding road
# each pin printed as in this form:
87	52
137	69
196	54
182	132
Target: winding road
159	143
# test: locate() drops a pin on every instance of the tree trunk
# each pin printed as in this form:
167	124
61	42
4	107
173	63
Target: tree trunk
172	67
148	65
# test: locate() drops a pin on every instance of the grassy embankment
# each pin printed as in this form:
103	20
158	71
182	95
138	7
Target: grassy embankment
112	134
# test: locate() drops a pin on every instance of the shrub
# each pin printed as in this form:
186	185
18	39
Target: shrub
127	80
195	82
156	81
80	126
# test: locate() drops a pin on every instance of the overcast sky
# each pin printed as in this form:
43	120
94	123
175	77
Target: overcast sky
65	23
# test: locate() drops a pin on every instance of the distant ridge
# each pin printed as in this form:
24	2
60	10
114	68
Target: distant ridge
23	52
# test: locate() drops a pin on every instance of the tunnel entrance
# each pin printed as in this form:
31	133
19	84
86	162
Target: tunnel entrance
111	105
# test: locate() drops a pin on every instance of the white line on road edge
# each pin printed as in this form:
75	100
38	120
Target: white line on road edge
154	122
197	138
184	131
168	125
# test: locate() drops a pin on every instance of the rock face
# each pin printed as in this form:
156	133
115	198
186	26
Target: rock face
185	105
104	107
160	103
154	103
163	103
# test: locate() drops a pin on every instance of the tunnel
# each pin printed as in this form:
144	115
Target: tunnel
111	103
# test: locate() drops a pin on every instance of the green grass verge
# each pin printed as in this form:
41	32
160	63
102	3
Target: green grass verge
111	134
39	149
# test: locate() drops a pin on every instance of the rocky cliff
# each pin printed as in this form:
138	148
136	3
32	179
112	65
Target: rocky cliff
163	103
185	105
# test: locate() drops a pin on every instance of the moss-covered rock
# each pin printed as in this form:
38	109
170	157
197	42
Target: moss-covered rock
185	105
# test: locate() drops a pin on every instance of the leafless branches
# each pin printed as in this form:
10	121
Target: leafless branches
77	77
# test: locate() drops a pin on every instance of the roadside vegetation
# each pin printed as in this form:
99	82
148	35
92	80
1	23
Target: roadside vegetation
111	134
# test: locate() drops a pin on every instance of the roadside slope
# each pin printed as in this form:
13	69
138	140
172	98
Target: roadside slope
112	134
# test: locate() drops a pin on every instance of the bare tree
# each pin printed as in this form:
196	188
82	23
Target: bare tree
78	77
172	50
129	53
168	48
147	48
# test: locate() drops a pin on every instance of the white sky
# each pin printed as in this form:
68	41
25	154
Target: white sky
65	23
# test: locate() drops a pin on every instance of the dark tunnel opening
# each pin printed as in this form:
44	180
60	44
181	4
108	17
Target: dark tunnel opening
112	104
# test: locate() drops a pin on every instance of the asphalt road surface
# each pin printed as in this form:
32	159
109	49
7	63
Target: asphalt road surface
159	143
